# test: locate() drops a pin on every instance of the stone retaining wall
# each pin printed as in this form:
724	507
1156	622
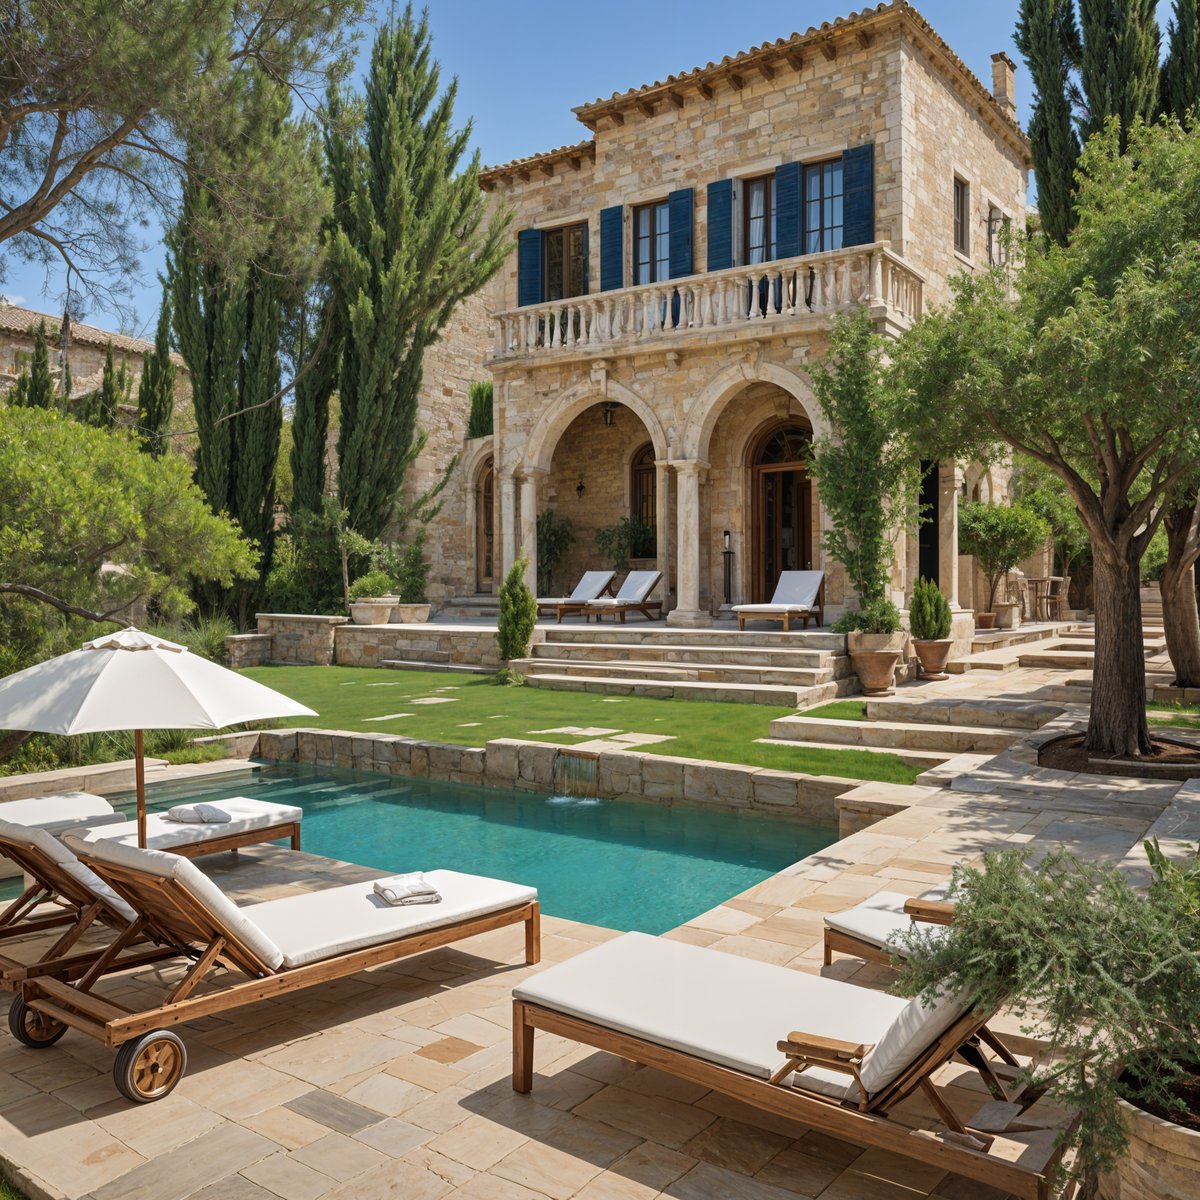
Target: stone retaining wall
300	640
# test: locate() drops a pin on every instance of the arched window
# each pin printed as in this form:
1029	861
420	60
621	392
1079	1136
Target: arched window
791	444
643	494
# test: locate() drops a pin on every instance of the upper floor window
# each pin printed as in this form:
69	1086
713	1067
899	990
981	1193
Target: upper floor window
565	252
962	216
758	220
999	227
823	206
652	242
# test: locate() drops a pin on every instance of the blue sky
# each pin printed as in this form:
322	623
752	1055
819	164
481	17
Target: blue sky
522	68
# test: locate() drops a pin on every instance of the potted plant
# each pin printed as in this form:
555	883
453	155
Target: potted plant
554	537
998	536
929	620
875	642
411	606
371	598
1108	977
628	538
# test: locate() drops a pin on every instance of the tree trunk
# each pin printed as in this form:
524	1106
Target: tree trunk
1117	724
1181	622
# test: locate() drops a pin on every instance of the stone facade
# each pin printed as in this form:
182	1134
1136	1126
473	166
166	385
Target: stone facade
704	367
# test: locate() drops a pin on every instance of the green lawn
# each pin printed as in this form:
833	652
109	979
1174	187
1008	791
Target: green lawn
839	710
8	1192
1178	716
479	709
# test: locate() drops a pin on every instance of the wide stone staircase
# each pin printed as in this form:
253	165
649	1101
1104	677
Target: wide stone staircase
789	669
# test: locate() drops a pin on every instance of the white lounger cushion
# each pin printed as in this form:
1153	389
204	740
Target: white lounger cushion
732	1011
880	918
588	588
637	586
58	853
796	591
320	925
161	834
60	812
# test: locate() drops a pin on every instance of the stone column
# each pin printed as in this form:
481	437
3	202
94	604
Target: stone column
689	473
950	480
529	490
662	524
508	505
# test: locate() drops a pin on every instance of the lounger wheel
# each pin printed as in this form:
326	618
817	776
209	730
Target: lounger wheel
149	1067
32	1028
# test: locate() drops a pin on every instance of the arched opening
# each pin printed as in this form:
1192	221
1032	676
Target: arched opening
485	528
781	499
643	494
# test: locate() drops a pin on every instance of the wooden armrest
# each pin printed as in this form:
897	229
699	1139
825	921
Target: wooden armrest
933	912
822	1049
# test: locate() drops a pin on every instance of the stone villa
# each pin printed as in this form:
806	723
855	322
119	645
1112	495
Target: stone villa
675	272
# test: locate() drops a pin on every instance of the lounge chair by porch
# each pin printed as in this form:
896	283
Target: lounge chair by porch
589	587
277	946
827	1054
633	596
797	594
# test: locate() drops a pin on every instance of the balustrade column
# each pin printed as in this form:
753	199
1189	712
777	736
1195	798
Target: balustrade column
688	612
662	524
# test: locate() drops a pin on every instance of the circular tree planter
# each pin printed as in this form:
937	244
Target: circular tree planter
410	614
985	620
1162	1162
875	656
371	610
932	656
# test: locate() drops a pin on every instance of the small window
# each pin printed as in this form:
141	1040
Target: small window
999	227
566	262
962	216
758	220
823	206
652	242
643	493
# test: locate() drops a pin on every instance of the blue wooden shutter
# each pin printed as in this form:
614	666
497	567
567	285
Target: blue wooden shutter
789	232
529	267
720	225
679	208
858	192
612	248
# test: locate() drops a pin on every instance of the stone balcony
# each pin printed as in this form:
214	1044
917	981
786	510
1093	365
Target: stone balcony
773	299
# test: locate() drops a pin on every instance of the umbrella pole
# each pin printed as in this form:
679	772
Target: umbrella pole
139	770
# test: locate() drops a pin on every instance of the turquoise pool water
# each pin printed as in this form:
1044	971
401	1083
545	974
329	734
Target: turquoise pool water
613	863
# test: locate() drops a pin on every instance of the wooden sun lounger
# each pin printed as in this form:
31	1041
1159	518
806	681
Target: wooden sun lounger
637	599
785	608
1020	1160
592	585
183	910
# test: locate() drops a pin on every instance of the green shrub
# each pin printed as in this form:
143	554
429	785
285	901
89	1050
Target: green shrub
879	616
203	636
554	535
518	613
929	612
412	574
628	538
479	424
373	583
999	536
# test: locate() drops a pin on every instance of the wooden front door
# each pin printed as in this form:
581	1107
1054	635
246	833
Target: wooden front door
485	531
782	509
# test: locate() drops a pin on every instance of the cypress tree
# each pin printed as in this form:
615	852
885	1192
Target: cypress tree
410	242
1119	63
115	386
310	408
156	391
1181	70
1046	36
67	383
35	388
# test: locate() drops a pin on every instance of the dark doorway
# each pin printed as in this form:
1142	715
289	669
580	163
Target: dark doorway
929	560
782	511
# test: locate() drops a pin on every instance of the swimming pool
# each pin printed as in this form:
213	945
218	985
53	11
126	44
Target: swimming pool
619	864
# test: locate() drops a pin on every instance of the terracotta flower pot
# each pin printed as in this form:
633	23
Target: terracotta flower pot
985	620
875	656
1161	1163
932	656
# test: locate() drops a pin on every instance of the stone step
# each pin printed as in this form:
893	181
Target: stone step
928	759
989	714
1023	635
723	655
734	693
698	672
944	774
440	664
1057	659
637	631
954	739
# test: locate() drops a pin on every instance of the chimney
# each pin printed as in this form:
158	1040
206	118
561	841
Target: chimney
1003	70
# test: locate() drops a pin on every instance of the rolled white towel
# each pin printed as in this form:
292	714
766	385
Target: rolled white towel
197	814
413	888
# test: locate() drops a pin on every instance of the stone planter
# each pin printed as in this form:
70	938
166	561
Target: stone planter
409	614
932	656
985	620
875	656
371	610
1162	1162
1008	616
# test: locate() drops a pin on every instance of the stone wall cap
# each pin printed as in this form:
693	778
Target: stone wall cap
318	620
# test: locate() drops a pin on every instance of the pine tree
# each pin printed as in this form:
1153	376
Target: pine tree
1045	36
156	390
411	242
1119	62
1181	70
35	388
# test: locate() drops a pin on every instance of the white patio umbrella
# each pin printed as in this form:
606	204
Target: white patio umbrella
134	680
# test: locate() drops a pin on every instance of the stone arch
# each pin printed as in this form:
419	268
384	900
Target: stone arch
724	387
553	423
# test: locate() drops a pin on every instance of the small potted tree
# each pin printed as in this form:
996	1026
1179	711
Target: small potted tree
929	620
998	536
1108	978
411	606
371	598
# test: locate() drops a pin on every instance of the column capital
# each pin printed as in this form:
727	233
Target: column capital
689	466
532	474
